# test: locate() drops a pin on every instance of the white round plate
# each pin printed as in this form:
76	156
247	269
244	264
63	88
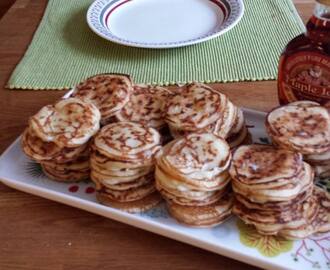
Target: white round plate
163	23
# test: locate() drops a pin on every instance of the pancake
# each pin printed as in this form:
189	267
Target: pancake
321	159
301	126
277	183
113	180
186	166
320	223
146	106
322	171
132	194
79	164
41	151
184	184
146	179
69	123
248	139
114	164
195	107
278	193
65	176
255	164
190	198
237	139
271	222
239	123
274	206
202	216
37	149
181	189
127	140
120	172
199	156
138	206
108	92
225	124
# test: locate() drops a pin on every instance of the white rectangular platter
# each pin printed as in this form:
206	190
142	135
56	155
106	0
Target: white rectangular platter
232	239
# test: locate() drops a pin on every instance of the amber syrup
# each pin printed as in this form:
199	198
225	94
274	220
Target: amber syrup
304	69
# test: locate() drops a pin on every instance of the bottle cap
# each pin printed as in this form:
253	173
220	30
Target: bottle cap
324	2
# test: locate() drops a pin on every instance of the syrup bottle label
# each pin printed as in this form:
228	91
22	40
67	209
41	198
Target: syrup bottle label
306	76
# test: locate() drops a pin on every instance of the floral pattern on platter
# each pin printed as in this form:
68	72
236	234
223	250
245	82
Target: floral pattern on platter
267	245
272	246
34	169
311	245
159	211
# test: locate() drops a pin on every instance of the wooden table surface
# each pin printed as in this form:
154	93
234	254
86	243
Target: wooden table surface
36	233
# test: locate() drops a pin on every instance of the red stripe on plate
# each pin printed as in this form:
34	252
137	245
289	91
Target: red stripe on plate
222	7
113	9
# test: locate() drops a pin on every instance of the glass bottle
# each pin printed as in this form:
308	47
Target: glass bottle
304	68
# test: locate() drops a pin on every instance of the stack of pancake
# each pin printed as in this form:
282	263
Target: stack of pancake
239	134
122	166
274	191
303	126
197	107
192	175
146	106
108	92
58	138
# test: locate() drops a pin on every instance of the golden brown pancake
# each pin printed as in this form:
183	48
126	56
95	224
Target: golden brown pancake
271	222
198	161
108	92
68	123
132	194
241	138
203	216
322	171
184	198
122	165
319	223
195	107
300	126
255	164
146	106
224	125
320	159
138	206
146	179
285	192
41	151
114	163
65	176
274	206
127	141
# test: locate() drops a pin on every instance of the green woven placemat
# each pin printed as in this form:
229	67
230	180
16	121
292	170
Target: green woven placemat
64	50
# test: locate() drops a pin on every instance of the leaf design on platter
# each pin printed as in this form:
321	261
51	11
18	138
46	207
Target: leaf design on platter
34	169
267	245
159	211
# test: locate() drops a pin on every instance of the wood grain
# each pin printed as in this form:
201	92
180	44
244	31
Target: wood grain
5	5
40	234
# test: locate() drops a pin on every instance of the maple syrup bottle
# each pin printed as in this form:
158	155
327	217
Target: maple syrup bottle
304	69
